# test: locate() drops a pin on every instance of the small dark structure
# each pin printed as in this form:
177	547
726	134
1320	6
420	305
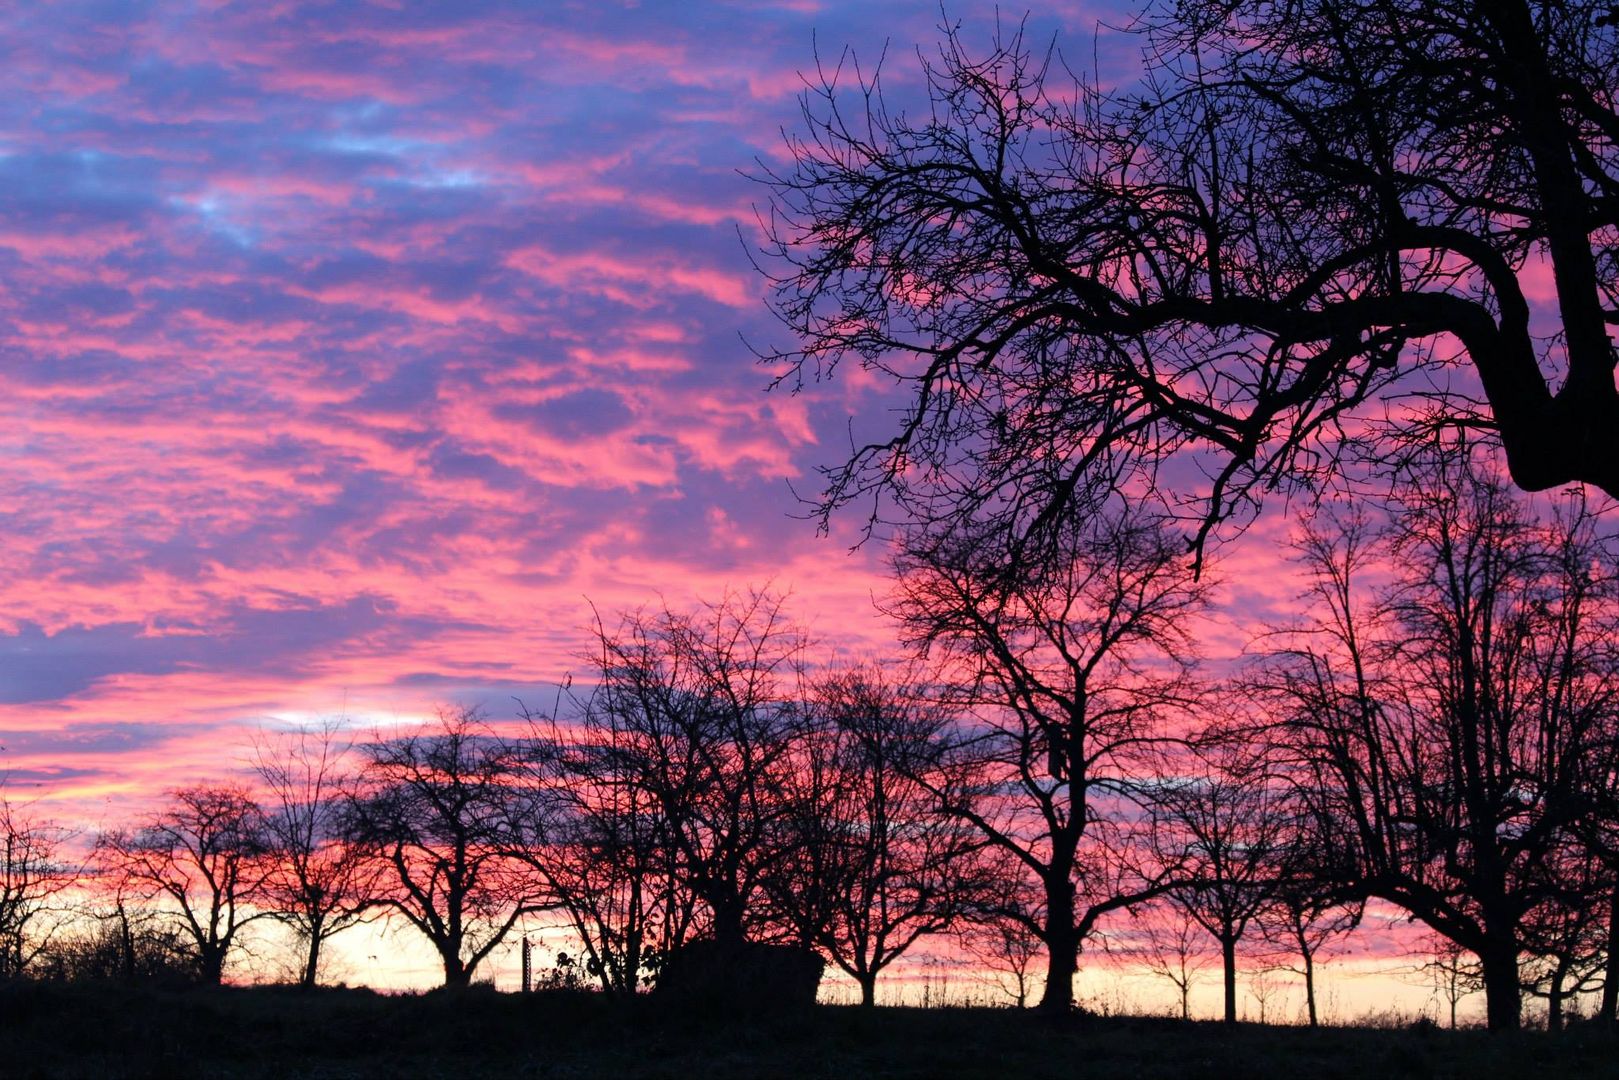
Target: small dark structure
745	976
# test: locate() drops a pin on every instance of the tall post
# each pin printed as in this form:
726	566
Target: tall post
528	965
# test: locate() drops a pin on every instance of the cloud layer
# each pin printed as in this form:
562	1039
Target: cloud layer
347	349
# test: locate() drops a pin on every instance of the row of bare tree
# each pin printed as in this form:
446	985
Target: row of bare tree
1438	731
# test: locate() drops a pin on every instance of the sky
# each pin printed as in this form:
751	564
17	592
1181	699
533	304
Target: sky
349	352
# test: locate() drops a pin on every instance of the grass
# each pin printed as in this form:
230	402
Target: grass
145	1032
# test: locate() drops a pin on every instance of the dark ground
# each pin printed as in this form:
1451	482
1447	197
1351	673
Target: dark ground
119	1032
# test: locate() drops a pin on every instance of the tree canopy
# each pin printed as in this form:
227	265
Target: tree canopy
1310	232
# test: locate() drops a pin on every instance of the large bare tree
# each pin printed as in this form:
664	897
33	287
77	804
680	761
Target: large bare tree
1068	672
1301	210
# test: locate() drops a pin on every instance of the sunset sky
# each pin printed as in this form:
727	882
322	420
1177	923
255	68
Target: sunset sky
350	349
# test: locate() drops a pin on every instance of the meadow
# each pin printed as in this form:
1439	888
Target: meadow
134	1033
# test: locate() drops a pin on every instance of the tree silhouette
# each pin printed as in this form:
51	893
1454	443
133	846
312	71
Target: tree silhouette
1310	906
871	862
1564	936
319	879
432	807
1173	946
1453	721
203	855
585	823
1065	675
704	706
1226	824
32	876
1303	208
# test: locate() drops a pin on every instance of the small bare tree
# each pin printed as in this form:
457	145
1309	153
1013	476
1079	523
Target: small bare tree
595	837
1174	947
32	877
871	861
1225	825
319	879
203	857
432	808
1307	912
703	706
1454	973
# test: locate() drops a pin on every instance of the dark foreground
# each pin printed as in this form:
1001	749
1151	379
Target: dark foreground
114	1032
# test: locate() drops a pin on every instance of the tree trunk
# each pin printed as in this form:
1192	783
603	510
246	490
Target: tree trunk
1610	978
1309	986
311	963
457	975
728	922
211	964
1062	948
1228	954
1502	992
1554	1001
126	937
868	989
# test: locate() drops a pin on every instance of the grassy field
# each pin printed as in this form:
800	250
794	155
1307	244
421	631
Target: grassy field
115	1032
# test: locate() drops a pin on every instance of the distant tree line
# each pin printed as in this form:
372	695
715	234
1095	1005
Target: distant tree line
1437	731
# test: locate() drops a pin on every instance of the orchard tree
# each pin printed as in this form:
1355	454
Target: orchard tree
1450	721
432	808
870	861
1302	211
320	879
1311	906
32	877
1171	944
1225	823
1067	674
703	707
202	857
588	827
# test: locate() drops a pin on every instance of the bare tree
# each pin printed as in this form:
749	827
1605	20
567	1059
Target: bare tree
997	934
1452	971
1173	946
1450	719
1069	669
1598	832
1565	935
320	879
203	856
433	807
1224	821
704	706
1310	907
596	836
1300	209
871	862
32	877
